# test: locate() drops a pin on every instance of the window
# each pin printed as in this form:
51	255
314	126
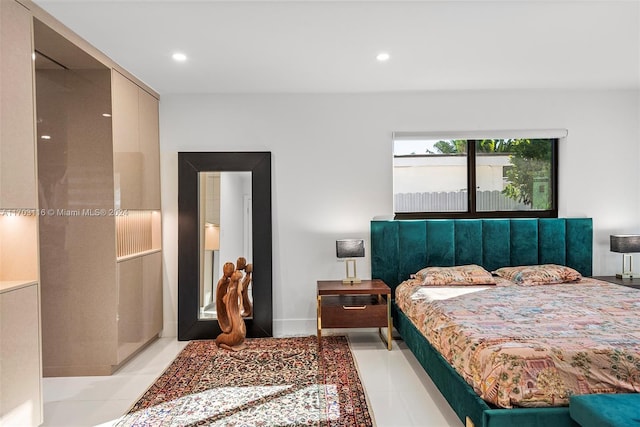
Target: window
509	177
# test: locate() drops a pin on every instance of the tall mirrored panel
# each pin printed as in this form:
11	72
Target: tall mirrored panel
225	228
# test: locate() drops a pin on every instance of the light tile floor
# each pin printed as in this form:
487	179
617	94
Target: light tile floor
399	391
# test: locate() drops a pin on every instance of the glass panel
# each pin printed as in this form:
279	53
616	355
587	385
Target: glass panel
225	233
514	174
430	175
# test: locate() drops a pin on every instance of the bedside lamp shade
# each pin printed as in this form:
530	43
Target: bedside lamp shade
211	237
350	249
625	244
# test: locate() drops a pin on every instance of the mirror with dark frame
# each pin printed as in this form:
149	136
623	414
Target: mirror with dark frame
194	169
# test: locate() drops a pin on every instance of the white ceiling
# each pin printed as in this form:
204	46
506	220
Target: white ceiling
330	46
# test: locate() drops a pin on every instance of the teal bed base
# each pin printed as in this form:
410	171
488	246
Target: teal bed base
400	248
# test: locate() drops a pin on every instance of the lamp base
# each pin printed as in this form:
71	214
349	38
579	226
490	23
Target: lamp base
350	278
627	268
626	275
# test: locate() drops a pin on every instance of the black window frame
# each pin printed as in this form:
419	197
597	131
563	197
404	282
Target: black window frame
471	211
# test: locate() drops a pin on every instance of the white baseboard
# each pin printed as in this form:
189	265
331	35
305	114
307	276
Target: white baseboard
169	329
294	327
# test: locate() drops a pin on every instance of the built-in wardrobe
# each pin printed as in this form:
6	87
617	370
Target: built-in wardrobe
80	212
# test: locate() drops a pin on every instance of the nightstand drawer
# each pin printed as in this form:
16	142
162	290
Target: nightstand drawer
362	311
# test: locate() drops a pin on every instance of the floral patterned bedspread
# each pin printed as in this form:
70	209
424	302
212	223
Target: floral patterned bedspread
533	346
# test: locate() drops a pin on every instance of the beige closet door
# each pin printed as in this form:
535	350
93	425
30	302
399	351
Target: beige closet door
150	148
137	188
20	374
17	152
135	146
140	302
127	158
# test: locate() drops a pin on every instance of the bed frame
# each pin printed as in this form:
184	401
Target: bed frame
400	248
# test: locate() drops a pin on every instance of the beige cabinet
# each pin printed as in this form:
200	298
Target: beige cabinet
20	367
17	155
136	151
136	164
99	181
69	303
77	229
149	145
140	302
20	355
17	152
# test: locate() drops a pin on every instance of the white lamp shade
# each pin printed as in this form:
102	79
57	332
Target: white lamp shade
212	237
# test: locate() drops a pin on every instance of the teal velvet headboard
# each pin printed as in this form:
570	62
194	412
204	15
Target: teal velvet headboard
400	248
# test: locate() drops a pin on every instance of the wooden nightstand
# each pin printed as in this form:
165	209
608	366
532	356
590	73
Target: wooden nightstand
360	305
631	283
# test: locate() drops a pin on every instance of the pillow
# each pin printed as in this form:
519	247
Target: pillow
465	275
544	274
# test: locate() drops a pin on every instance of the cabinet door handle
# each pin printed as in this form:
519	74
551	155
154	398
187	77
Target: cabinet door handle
354	307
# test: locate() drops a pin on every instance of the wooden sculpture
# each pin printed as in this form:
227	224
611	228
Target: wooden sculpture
231	295
234	338
221	291
241	263
245	301
247	306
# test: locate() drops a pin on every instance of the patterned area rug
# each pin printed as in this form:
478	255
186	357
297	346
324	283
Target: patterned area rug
273	382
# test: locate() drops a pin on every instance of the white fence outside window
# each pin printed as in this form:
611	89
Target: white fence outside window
454	202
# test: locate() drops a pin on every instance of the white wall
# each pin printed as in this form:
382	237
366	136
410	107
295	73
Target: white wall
233	187
332	168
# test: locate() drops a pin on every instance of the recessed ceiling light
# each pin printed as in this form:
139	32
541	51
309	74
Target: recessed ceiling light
383	56
45	137
180	57
106	114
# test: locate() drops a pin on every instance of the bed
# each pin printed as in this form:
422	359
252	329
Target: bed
401	248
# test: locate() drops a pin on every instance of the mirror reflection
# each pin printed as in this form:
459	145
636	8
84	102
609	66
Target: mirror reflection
225	232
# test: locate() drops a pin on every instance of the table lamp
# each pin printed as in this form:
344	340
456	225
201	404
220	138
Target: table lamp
626	244
350	249
211	237
212	243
